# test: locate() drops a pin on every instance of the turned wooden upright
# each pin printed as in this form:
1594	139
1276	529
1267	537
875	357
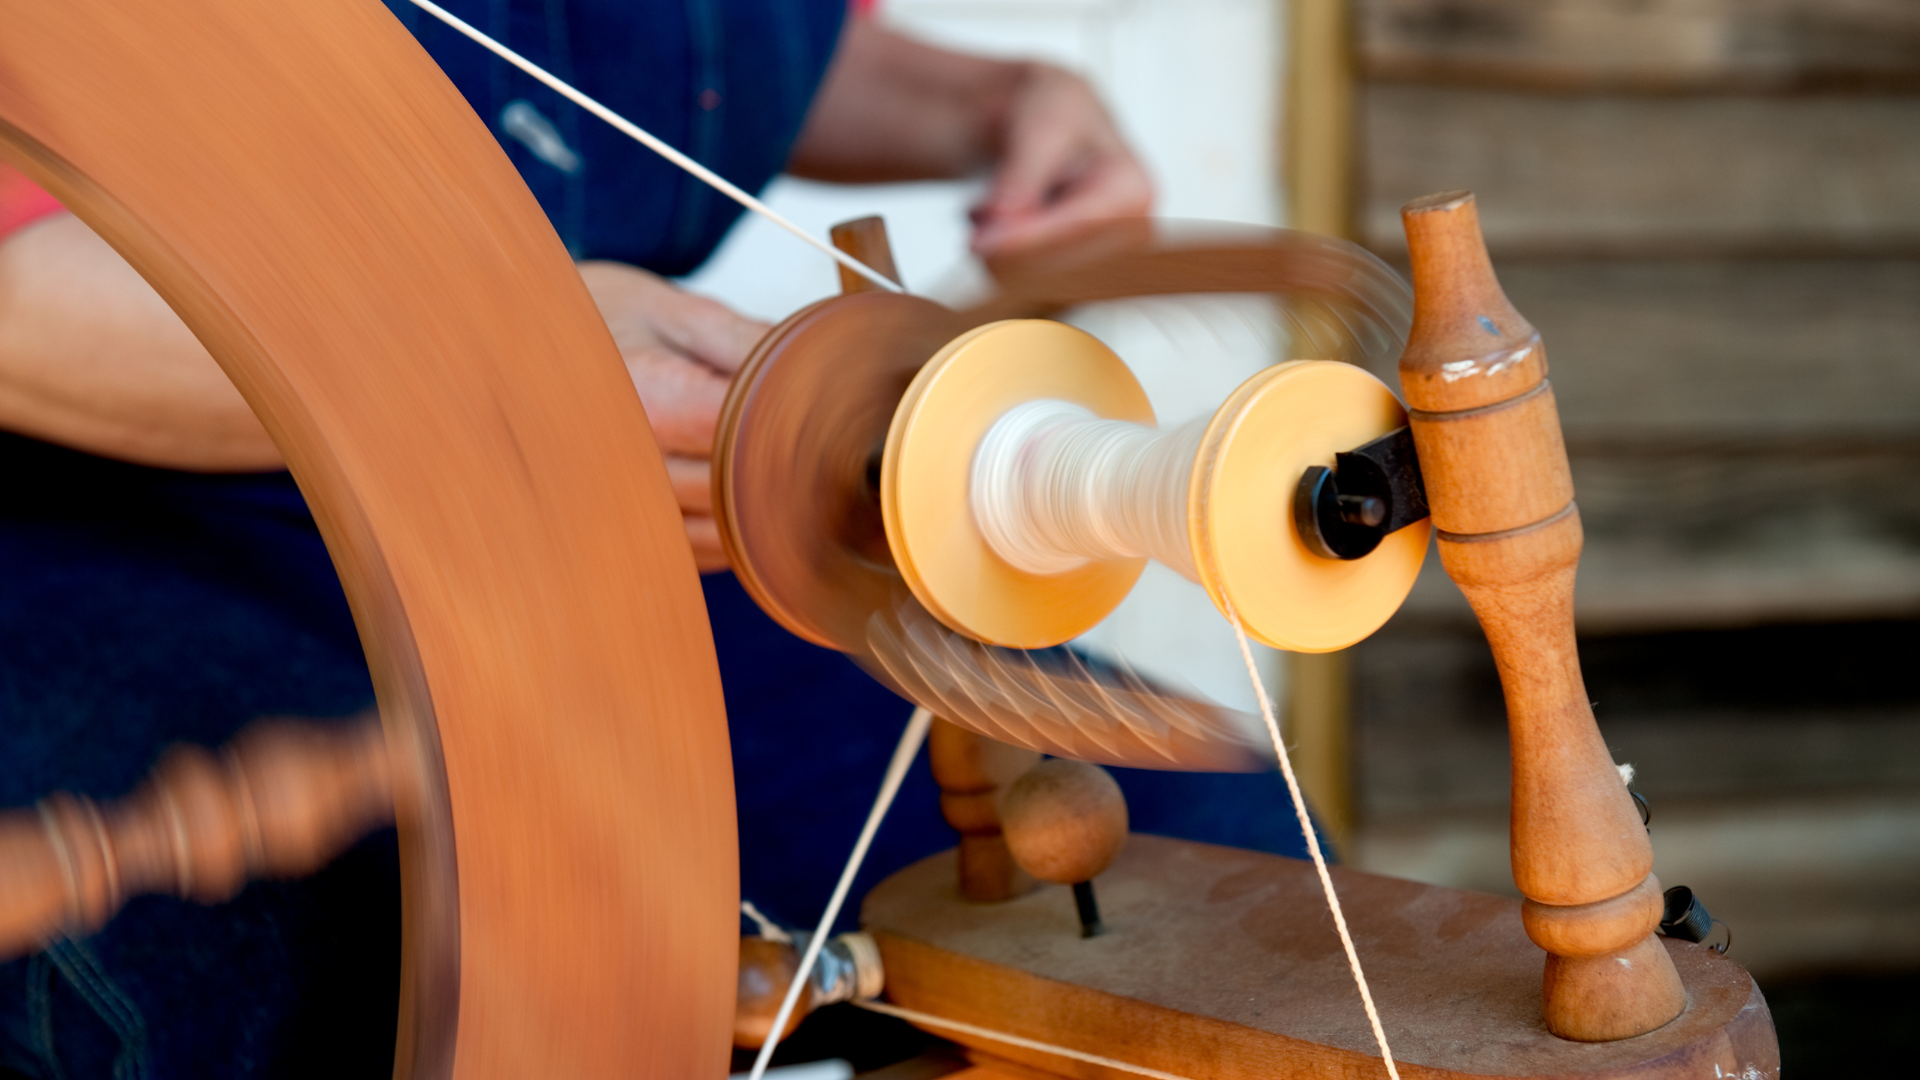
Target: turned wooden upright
280	801
1483	416
973	772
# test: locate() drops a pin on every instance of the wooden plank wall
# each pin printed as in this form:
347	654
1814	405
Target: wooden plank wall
1711	209
1649	45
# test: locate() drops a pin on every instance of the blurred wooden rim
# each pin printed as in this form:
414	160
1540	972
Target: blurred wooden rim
319	204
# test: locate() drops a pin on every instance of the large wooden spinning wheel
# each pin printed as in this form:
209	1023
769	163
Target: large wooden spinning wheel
328	215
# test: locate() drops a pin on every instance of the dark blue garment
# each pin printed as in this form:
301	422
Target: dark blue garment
726	82
140	607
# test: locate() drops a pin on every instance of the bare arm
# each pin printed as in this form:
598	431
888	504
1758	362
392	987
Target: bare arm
92	358
894	109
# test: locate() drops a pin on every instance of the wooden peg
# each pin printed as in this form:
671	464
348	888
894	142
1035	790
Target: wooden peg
281	801
1065	821
1488	434
973	772
847	969
865	239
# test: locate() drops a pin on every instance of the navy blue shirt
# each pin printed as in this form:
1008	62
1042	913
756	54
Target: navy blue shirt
141	606
727	83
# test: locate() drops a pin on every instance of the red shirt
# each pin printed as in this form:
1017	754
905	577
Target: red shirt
22	202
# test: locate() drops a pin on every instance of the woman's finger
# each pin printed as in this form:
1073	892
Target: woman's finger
692	480
1116	188
682	398
703	533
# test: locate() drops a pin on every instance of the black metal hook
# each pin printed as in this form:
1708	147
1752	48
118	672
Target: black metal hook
1344	512
1685	918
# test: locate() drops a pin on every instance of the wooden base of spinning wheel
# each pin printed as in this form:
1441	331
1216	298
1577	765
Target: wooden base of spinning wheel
1223	964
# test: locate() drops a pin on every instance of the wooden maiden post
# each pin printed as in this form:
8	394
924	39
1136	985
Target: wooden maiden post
973	771
1484	420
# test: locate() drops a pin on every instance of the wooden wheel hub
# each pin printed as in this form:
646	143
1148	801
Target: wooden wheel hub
796	457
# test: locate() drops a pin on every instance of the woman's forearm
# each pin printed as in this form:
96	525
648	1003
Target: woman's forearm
92	358
894	109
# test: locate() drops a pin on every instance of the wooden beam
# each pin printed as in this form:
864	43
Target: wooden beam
1645	45
1322	196
1623	175
1319	136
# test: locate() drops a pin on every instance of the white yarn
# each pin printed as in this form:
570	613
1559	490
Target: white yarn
1313	842
768	928
1054	487
915	1016
903	754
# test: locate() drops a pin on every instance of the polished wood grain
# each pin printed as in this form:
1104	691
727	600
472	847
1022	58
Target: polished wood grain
865	239
1224	964
323	209
1509	535
847	969
767	969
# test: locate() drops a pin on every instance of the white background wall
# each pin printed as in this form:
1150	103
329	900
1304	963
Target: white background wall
1195	86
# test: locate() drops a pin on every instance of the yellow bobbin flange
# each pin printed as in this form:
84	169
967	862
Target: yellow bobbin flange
1240	508
925	480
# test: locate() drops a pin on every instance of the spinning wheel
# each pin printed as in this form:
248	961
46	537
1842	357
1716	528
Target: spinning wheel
349	242
308	191
1201	972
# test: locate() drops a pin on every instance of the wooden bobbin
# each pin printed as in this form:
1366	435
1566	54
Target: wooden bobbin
281	801
1497	480
1244	543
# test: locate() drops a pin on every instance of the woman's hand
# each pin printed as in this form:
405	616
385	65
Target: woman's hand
894	109
1061	163
681	350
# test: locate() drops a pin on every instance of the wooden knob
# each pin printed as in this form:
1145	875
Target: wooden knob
282	800
1501	492
1064	820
